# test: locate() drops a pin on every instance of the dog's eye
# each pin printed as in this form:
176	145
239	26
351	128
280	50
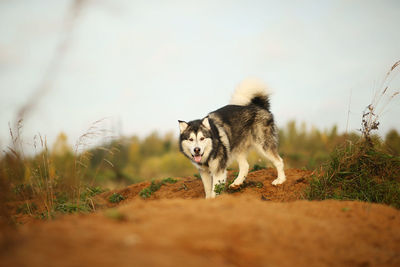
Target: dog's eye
201	138
191	139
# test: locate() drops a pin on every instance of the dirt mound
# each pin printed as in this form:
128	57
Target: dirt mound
177	227
257	185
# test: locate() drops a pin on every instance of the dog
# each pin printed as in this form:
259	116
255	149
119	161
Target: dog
227	134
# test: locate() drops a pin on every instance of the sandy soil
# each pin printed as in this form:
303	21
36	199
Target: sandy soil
267	226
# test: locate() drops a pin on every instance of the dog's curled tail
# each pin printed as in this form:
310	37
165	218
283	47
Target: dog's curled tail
251	91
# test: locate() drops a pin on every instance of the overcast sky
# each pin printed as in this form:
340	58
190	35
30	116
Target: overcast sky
146	64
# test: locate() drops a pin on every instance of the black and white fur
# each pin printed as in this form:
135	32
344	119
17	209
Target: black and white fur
228	134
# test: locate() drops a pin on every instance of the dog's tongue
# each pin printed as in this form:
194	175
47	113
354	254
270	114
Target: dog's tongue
197	158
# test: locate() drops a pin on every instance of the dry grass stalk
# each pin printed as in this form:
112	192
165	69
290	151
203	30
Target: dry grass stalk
380	103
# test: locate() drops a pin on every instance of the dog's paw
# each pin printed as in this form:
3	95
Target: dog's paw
278	181
234	186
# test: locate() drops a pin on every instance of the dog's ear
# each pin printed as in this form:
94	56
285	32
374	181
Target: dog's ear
182	125
206	123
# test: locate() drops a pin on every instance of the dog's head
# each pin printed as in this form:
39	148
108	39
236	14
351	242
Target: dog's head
196	139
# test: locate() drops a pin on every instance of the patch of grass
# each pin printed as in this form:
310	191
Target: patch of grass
169	180
92	191
116	198
197	176
220	188
58	181
154	186
224	187
27	208
358	172
148	191
257	167
69	207
64	204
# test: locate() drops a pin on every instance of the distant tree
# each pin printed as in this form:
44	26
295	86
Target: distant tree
134	155
152	145
61	146
392	141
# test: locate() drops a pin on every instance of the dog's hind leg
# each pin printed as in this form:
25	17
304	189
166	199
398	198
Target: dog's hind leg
272	155
207	182
243	170
278	163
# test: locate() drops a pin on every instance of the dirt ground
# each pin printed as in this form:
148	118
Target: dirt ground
261	225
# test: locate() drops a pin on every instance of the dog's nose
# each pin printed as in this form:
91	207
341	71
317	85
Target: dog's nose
197	150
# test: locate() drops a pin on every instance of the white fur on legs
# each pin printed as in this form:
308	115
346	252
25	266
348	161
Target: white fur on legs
207	181
243	170
218	178
278	163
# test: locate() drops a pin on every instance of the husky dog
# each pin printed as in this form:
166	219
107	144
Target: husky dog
228	134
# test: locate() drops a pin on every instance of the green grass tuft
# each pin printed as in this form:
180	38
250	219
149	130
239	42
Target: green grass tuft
148	191
197	176
169	180
257	167
69	207
220	188
92	191
224	187
64	204
155	186
116	198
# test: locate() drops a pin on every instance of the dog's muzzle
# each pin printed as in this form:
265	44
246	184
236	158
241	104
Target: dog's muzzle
197	156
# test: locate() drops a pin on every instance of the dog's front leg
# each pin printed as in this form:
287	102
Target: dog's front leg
243	171
207	181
